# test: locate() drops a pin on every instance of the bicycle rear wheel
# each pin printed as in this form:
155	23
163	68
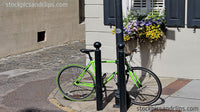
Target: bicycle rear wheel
74	87
149	90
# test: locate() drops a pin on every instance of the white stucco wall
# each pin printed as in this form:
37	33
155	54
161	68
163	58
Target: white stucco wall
96	31
180	57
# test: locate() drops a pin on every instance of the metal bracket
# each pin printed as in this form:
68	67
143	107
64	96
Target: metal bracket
178	28
195	27
110	26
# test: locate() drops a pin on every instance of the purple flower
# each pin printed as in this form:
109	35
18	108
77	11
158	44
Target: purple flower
135	24
127	30
142	23
149	19
158	20
132	21
163	18
149	23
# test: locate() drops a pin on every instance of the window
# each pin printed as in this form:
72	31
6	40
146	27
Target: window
81	11
41	36
138	4
147	4
157	4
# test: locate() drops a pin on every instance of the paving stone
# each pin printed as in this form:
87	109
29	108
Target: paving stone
176	103
17	72
191	90
175	86
52	58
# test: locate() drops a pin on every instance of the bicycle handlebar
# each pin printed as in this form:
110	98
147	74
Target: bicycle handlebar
87	51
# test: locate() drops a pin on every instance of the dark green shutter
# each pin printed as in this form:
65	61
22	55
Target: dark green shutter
193	15
109	12
175	12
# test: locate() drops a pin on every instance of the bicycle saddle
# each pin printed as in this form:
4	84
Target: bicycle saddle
87	50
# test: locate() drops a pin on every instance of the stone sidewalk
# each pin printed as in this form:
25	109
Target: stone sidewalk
179	95
53	58
36	70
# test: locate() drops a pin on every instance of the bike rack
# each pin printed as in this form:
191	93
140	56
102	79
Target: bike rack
99	95
121	78
120	56
121	96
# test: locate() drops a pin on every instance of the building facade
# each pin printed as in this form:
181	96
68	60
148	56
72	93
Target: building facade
178	56
33	24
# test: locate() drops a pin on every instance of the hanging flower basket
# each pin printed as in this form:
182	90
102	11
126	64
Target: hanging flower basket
144	28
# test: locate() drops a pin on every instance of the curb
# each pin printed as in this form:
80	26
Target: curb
170	86
54	101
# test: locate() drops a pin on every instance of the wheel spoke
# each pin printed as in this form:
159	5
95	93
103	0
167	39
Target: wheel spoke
150	90
75	90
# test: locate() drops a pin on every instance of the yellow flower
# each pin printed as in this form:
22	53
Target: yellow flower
140	29
113	31
127	37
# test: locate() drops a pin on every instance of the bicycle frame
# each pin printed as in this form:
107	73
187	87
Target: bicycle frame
132	74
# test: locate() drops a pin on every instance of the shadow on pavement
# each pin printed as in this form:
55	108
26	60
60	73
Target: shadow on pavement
37	110
159	102
108	99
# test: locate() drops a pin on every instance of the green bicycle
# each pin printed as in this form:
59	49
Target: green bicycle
77	83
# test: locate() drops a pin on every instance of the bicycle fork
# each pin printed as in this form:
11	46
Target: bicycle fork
133	77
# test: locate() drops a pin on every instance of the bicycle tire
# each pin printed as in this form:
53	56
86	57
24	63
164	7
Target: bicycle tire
144	95
65	83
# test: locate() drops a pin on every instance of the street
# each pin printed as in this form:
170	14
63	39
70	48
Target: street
26	80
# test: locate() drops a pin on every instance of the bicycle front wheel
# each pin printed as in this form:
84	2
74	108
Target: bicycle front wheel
75	83
149	87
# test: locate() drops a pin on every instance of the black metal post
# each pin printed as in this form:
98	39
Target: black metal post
99	95
120	56
121	79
